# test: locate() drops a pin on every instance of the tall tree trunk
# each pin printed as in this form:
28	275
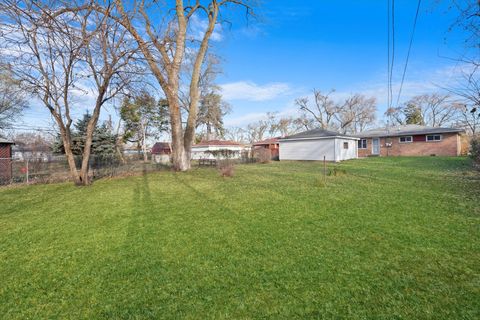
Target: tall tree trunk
92	124
209	131
144	143
180	159
67	147
71	160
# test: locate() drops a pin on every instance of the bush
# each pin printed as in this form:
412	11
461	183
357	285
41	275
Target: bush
226	168
263	155
337	172
475	149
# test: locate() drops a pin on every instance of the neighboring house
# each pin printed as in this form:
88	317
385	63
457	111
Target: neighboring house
318	144
203	149
161	152
410	140
271	144
38	152
5	160
132	151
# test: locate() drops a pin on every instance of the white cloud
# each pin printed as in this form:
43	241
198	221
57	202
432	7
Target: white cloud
250	91
243	120
417	83
198	26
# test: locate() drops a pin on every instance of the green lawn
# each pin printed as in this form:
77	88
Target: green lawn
387	238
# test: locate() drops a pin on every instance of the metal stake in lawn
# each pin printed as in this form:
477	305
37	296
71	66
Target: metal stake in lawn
27	170
324	171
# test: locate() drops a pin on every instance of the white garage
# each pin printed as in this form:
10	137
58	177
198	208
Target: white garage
317	144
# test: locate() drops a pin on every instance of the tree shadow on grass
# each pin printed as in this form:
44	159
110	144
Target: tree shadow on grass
135	263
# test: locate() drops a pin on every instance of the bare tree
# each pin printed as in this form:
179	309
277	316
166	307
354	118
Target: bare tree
162	34
395	115
236	134
60	56
437	110
468	20
284	126
353	115
356	113
256	131
304	122
33	145
322	110
12	99
468	118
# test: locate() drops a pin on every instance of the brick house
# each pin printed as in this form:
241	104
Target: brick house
271	144
410	140
5	161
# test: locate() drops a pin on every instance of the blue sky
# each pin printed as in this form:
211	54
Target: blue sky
295	46
300	45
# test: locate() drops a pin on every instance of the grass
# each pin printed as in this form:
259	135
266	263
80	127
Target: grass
388	238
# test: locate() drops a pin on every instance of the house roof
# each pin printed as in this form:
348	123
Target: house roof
2	140
160	146
316	134
217	143
267	141
405	130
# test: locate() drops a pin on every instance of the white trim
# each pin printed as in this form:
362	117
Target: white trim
366	144
373	145
400	141
433	135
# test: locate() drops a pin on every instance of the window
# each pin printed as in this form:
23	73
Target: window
362	144
434	137
345	145
405	139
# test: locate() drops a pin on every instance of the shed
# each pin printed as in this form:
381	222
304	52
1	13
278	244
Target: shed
161	152
318	143
5	161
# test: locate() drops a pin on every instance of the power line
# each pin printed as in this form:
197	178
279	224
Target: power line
393	53
408	52
388	53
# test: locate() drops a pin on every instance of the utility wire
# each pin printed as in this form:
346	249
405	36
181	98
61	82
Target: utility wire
388	54
393	53
408	52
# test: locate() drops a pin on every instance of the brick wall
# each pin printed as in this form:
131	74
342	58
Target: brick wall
450	145
5	164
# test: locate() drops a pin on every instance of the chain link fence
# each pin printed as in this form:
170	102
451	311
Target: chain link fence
56	169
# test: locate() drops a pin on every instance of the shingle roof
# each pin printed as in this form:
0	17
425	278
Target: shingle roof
160	147
315	133
405	130
267	141
217	143
2	140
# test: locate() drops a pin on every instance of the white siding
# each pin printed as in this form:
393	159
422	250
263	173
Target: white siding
201	152
332	148
308	149
345	154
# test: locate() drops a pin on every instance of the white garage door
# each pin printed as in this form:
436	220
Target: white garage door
308	149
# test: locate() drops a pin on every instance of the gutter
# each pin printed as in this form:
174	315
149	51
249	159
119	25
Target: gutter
319	138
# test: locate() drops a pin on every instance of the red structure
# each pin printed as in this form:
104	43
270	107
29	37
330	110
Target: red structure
161	148
5	161
161	152
271	144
